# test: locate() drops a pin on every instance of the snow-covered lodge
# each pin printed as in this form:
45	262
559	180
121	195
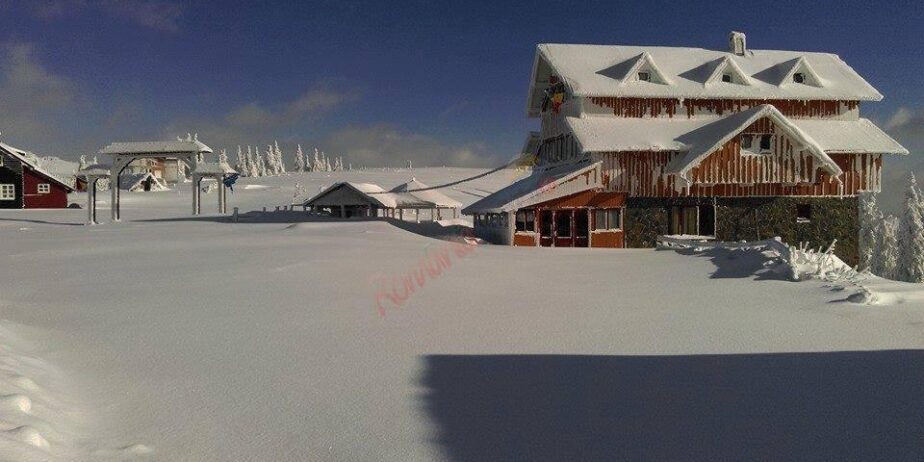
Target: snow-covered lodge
25	184
348	200
637	142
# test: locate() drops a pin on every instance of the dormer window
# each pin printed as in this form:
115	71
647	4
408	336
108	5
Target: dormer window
798	77
644	76
765	142
726	78
761	145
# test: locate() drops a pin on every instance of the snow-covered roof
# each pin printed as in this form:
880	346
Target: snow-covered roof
214	168
544	184
95	170
856	136
376	195
33	161
681	72
432	196
709	138
610	134
133	181
156	147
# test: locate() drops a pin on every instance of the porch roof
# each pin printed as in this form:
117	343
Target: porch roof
544	184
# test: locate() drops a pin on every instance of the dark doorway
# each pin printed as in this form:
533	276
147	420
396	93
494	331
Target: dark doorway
545	228
564	231
581	228
707	220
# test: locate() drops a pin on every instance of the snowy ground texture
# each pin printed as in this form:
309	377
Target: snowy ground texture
283	339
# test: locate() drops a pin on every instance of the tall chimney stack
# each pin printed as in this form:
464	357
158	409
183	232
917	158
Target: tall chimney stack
737	43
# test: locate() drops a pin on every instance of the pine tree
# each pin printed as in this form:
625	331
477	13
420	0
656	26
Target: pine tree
911	236
251	163
83	162
299	159
223	157
280	162
868	237
886	257
239	165
316	166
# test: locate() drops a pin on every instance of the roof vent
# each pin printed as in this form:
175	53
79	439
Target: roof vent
737	43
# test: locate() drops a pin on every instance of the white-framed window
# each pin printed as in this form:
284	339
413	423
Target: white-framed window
44	188
607	219
526	220
644	76
798	77
756	144
7	192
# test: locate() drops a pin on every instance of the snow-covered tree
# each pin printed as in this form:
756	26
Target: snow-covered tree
911	236
299	159
885	259
239	166
252	169
223	157
279	162
83	162
262	159
316	165
868	230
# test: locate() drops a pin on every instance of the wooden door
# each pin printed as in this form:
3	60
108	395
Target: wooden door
545	228
581	228
564	228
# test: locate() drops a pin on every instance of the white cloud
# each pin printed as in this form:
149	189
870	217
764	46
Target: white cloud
154	14
387	145
907	127
263	123
33	98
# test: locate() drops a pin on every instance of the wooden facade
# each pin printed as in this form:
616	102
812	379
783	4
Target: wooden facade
670	107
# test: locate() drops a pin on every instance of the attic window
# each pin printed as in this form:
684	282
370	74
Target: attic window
726	78
798	77
644	76
765	141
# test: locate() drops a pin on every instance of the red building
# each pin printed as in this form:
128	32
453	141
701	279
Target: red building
25	185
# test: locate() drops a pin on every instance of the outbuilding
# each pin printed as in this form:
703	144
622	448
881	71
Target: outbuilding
24	184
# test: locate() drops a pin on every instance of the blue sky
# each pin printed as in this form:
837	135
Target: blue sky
378	81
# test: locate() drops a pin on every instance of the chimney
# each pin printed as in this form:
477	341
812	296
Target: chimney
736	43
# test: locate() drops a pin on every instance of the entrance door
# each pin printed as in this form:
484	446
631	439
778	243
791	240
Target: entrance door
581	228
564	228
545	228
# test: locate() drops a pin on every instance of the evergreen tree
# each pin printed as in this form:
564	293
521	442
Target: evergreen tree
299	159
315	167
280	162
911	236
239	166
868	230
223	157
886	257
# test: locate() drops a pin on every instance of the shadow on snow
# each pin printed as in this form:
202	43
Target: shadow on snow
863	405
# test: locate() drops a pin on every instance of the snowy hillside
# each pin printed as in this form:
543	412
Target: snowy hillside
279	338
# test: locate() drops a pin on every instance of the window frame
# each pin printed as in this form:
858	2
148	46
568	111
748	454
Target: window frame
607	226
4	194
726	78
798	77
528	221
43	186
769	139
644	76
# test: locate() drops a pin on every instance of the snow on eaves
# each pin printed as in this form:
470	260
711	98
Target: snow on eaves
545	183
34	162
156	147
711	137
600	70
612	134
431	196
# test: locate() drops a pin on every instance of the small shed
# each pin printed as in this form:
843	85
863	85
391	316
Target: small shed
425	195
143	181
348	200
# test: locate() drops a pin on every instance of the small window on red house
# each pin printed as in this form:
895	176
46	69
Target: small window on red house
798	77
7	192
644	76
44	188
765	142
526	220
726	78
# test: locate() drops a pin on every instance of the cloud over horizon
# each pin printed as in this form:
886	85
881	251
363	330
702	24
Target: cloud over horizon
158	15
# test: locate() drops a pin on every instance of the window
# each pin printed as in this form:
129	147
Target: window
44	188
644	76
1	160
607	219
798	77
726	77
7	192
526	220
765	141
747	142
803	213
